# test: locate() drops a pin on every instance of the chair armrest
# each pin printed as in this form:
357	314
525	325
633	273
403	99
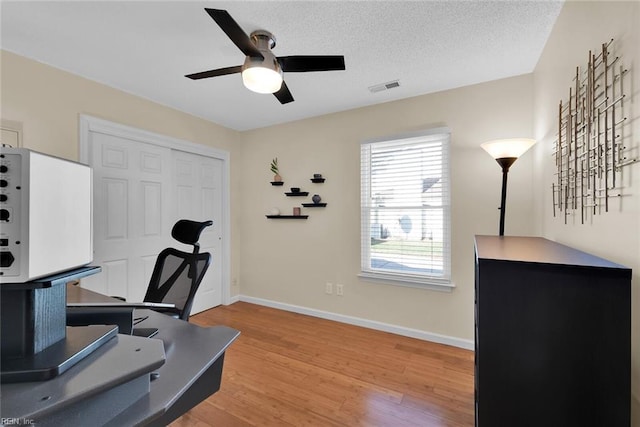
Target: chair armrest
169	311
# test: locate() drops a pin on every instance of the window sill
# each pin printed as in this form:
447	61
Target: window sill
408	281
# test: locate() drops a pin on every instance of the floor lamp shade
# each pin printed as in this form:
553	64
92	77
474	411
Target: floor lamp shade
506	152
504	148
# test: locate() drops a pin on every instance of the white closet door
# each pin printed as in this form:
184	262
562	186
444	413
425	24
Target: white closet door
144	183
198	189
133	213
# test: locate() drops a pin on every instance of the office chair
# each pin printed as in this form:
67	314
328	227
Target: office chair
177	275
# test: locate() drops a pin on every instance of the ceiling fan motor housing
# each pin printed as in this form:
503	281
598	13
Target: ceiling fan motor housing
261	70
263	39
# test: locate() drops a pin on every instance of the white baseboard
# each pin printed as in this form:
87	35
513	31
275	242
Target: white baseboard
233	299
357	321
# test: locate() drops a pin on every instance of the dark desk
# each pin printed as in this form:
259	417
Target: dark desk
94	393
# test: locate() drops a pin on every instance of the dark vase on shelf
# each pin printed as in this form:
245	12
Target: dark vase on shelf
316	198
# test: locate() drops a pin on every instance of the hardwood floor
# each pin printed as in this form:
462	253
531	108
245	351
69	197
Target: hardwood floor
288	369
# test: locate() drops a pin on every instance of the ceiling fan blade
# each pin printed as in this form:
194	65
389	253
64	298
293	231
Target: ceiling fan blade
283	95
304	63
234	32
214	73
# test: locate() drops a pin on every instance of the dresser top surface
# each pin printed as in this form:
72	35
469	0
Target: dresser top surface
537	250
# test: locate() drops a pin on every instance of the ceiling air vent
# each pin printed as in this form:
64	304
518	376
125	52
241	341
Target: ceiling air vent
384	86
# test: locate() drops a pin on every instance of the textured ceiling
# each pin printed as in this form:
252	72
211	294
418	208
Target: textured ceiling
145	48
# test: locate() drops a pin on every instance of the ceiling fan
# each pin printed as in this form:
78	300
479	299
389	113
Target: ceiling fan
262	70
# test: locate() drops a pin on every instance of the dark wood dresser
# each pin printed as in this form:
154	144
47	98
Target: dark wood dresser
552	335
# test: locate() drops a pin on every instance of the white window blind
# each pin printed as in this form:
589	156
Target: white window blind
405	201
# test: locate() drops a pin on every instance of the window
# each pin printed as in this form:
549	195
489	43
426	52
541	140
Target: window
405	201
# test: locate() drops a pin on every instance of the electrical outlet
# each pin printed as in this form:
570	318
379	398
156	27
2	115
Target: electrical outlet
328	288
339	289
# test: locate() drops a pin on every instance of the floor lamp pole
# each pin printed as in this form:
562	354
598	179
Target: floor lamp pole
505	163
503	199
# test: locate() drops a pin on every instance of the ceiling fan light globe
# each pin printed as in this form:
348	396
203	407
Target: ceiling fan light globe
261	79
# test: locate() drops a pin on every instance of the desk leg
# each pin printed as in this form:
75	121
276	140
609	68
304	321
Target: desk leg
205	386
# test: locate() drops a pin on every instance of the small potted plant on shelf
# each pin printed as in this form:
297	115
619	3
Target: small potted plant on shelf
275	170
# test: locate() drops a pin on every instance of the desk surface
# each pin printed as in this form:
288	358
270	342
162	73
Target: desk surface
78	294
190	350
191	354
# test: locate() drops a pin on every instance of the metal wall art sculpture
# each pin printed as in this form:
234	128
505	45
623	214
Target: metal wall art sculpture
591	148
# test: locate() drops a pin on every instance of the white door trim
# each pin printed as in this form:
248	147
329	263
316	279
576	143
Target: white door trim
88	124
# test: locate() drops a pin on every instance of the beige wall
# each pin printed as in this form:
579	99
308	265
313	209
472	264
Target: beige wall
290	261
48	103
584	26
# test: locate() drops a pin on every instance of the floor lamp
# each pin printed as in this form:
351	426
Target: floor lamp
506	152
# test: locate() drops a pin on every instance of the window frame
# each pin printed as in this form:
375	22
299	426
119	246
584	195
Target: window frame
441	282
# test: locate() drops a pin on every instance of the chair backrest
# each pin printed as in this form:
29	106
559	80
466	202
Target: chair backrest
177	274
